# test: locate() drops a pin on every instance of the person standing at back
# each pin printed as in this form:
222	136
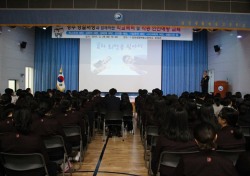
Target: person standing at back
204	82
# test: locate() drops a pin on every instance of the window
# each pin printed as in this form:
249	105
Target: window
29	77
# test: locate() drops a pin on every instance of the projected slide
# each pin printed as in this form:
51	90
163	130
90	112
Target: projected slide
125	64
111	57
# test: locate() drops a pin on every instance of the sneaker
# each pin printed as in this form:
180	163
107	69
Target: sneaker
77	157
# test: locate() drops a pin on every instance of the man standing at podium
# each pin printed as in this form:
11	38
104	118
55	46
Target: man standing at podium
204	82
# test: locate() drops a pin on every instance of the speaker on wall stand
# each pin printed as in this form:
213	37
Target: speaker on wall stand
217	48
23	45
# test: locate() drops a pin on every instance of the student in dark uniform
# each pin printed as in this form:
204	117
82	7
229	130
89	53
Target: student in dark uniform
206	162
229	136
46	125
68	118
112	102
175	137
23	141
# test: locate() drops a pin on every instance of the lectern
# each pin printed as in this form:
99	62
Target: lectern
221	87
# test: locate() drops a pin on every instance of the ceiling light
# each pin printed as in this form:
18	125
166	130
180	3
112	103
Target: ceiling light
44	28
239	36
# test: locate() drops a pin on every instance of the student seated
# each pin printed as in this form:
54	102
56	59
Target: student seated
175	137
22	141
229	136
206	162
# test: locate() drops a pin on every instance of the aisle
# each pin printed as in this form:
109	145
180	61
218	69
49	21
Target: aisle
118	157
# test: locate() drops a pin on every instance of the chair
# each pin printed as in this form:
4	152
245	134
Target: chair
57	142
151	132
75	131
23	162
128	117
113	118
232	155
245	130
169	159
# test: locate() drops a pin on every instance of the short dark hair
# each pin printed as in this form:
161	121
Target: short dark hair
205	134
112	91
230	115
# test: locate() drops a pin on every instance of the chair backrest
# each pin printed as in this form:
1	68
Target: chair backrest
232	155
127	113
245	130
113	115
152	130
54	142
23	162
171	158
71	131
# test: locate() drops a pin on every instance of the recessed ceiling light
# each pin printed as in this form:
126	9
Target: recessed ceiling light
239	36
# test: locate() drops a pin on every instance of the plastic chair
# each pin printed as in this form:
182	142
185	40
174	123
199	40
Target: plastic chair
152	132
57	142
73	131
23	162
169	159
113	118
232	155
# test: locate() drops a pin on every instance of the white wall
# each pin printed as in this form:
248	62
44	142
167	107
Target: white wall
232	63
13	59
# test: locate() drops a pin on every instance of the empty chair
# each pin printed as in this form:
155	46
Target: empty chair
15	164
113	119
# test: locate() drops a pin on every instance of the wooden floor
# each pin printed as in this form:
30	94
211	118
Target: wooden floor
119	157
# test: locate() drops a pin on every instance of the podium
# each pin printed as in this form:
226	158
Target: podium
221	87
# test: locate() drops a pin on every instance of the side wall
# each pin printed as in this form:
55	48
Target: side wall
13	59
232	63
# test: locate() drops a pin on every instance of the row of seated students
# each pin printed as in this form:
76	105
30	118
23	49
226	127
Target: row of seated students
27	121
52	110
177	118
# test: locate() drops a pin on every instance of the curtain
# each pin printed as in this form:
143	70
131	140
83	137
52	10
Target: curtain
183	63
50	55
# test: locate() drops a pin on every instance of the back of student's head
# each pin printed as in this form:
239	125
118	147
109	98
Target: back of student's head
5	99
44	107
230	115
112	91
176	124
238	94
23	120
65	105
217	101
207	114
205	136
9	91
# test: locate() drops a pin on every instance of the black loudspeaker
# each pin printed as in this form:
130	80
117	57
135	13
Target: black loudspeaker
23	45
216	48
